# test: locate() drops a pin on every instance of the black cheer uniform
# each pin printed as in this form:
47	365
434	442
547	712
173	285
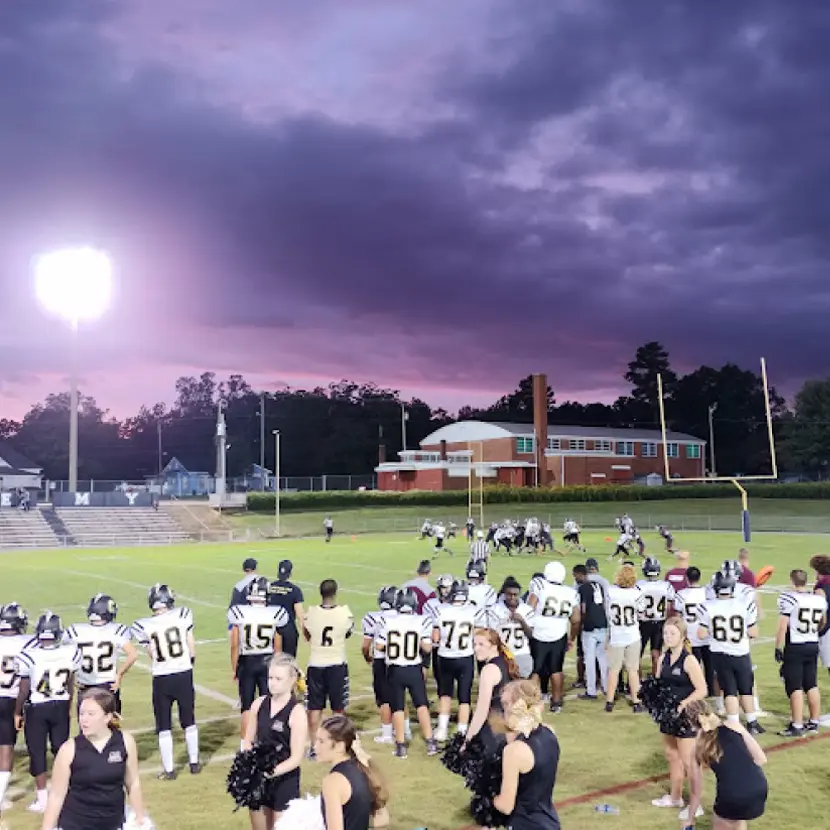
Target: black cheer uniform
95	798
742	786
276	730
677	678
357	811
495	742
534	808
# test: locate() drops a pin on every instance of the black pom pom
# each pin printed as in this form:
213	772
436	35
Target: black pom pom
661	702
453	756
247	783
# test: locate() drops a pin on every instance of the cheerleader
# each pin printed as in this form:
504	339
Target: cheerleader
278	718
682	673
736	758
354	796
498	669
529	762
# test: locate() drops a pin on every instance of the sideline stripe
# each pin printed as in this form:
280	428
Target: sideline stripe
628	786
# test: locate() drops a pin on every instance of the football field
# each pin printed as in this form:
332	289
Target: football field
606	758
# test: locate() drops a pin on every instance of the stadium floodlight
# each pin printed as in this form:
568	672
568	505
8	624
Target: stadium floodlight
74	284
276	483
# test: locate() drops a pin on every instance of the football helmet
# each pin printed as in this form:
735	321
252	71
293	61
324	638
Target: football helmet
723	583
13	618
160	596
443	587
101	609
460	592
387	597
257	591
476	570
49	629
651	566
732	566
406	602
555	572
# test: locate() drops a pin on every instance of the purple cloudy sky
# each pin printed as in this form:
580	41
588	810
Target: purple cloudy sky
438	196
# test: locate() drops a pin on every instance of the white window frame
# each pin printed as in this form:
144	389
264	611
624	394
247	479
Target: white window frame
554	444
673	449
693	451
522	441
602	445
649	449
625	448
577	445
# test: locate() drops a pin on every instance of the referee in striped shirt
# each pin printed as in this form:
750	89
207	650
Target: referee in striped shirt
480	550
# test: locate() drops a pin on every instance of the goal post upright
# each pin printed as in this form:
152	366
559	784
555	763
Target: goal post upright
734	480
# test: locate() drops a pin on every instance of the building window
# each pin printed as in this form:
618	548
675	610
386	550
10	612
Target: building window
692	450
673	450
578	444
553	444
625	448
524	445
602	446
649	450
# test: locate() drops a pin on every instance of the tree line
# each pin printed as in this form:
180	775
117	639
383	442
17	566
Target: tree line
337	430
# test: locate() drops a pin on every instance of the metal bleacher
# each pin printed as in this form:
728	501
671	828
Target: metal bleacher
113	526
25	529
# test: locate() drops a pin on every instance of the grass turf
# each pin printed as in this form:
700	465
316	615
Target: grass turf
792	515
599	750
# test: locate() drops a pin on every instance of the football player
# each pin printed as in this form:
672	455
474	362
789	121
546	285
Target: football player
403	638
443	596
555	627
801	618
328	525
13	639
372	626
454	625
326	628
625	602
659	596
255	637
47	668
686	604
440	533
513	619
168	637
570	535
730	623
100	641
666	536
480	593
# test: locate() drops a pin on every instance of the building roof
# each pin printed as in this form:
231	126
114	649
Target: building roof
19	463
462	431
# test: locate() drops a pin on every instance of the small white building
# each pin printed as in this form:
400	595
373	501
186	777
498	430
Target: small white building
18	471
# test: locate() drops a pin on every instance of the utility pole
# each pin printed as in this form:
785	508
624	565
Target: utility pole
221	453
262	442
404	419
161	455
713	466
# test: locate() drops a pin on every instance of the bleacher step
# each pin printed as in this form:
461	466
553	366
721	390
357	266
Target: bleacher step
58	526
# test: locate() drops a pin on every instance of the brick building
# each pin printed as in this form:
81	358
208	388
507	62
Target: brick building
508	453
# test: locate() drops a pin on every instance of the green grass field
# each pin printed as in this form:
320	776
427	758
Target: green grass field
599	750
792	515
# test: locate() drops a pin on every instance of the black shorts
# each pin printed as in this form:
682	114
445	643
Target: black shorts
456	676
403	679
426	660
290	639
8	734
651	635
327	683
704	657
734	674
571	538
252	677
380	682
548	657
82	690
800	667
174	688
280	791
45	722
743	807
439	543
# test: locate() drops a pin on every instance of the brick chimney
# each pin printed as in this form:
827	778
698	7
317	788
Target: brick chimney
540	425
443	450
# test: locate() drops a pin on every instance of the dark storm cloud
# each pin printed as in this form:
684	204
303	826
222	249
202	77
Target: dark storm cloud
680	194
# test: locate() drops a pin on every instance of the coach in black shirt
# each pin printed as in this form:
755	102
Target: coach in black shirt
287	595
592	599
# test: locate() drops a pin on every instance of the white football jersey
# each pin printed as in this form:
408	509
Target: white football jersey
625	540
49	671
686	603
511	632
727	622
99	645
166	636
483	595
402	637
805	612
457	625
742	592
431	607
659	595
373	624
10	647
570	528
555	604
258	625
624	608
440	531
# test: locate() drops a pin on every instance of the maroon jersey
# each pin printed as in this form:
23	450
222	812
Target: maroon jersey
747	577
423	591
676	577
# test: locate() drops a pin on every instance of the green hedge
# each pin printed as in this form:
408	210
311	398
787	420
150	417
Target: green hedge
345	499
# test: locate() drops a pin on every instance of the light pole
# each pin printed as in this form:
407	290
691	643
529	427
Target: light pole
713	466
276	483
74	284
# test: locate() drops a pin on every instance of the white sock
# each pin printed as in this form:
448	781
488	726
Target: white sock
166	750
719	705
386	730
242	745
42	796
750	717
734	718
191	738
462	728
443	722
5	777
